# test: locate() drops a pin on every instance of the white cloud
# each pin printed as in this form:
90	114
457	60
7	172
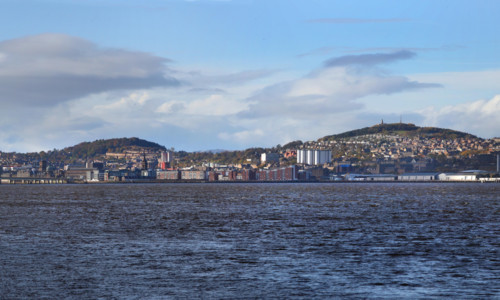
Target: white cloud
243	136
333	89
347	84
170	107
460	82
479	117
457	87
214	105
136	98
115	93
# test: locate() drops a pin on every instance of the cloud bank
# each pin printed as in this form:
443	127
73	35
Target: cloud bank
47	69
474	117
59	90
368	59
333	88
324	100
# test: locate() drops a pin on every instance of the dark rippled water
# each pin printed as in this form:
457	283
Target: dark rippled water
250	241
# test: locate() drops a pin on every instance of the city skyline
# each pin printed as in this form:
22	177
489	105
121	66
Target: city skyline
199	75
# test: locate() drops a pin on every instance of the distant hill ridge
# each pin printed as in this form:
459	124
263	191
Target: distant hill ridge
402	129
100	147
119	145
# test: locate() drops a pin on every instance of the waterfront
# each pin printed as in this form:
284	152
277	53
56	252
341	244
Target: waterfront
235	240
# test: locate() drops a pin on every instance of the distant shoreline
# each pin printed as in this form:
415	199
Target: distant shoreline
139	181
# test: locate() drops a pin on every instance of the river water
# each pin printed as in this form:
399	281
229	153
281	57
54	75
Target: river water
234	241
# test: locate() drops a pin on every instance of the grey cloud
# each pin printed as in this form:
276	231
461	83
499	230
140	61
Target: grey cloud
384	85
40	91
46	44
355	20
85	124
52	68
207	90
319	51
350	50
447	48
244	76
368	59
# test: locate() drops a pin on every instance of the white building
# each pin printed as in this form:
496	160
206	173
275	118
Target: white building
269	157
418	177
469	175
314	157
166	156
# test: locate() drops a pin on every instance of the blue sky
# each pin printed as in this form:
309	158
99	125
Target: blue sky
233	74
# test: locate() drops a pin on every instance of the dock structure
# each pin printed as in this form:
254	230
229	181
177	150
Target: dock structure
32	180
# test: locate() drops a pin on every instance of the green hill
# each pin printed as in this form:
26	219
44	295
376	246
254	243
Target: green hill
402	129
100	147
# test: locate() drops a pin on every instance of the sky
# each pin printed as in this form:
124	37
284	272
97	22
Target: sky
232	74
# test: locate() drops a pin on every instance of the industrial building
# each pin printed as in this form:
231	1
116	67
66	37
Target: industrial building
418	177
314	157
470	175
371	177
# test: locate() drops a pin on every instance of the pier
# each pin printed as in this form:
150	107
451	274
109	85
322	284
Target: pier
32	180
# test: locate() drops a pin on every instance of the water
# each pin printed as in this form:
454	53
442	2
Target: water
250	241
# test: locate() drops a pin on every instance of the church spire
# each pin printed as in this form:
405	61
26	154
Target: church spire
144	161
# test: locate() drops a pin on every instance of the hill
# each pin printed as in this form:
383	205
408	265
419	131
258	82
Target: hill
100	147
402	129
86	150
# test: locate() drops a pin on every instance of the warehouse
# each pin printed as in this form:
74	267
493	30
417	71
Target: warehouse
418	177
470	175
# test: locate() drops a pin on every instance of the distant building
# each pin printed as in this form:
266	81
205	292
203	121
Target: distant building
371	177
144	164
418	177
84	174
343	167
289	173
42	166
469	175
313	157
168	175
248	174
94	165
193	175
269	157
166	159
98	165
167	156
